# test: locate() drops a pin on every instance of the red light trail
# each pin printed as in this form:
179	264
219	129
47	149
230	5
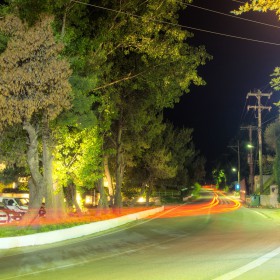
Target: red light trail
220	203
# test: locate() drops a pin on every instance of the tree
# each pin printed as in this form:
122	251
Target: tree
156	66
260	6
264	6
219	177
184	156
34	91
13	147
155	165
272	138
168	160
119	57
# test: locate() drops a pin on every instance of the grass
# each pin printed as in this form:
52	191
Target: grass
44	224
171	199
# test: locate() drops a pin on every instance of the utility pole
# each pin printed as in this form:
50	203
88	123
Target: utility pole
236	149
259	108
250	128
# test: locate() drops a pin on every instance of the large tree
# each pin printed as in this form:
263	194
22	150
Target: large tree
272	139
184	156
34	91
128	54
152	66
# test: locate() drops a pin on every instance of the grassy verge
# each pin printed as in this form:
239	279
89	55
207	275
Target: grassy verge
171	200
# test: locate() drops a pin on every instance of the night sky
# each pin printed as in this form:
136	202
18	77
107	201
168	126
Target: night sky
216	111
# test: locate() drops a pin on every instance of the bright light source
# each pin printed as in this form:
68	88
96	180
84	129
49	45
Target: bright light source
234	169
250	146
106	184
89	199
237	187
141	199
79	198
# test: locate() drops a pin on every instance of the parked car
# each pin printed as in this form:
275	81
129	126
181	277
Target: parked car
4	217
12	215
16	204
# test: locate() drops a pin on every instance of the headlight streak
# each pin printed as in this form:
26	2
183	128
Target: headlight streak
213	206
220	203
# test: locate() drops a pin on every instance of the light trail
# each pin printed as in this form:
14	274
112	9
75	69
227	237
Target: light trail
220	203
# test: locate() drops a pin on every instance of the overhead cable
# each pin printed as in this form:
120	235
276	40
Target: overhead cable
232	16
180	25
237	1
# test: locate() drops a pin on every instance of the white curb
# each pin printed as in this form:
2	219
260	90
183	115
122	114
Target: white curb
74	232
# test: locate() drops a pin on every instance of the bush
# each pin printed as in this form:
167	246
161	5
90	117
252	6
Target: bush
196	189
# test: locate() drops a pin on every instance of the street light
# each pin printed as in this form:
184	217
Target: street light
237	187
236	149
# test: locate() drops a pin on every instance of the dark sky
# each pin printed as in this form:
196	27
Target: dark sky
217	110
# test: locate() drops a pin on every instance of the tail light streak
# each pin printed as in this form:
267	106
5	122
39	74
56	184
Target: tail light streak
220	203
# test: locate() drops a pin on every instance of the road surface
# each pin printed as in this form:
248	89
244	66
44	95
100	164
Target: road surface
212	239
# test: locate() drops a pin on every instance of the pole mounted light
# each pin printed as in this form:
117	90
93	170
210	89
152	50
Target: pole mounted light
237	150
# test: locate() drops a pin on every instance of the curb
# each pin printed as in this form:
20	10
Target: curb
74	232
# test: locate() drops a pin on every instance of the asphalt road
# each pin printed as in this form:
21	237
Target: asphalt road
212	239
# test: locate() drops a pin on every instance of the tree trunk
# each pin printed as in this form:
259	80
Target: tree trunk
68	6
73	192
103	201
55	207
108	178
277	163
36	183
148	194
119	169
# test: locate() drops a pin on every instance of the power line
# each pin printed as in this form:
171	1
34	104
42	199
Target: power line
238	2
244	110
232	16
249	115
180	25
271	119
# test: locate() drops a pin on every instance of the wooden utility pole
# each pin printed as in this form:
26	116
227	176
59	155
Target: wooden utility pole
259	108
237	150
250	128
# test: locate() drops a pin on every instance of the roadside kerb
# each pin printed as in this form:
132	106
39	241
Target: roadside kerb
74	232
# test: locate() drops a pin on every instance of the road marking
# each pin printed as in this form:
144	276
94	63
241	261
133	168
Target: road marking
243	269
261	214
93	259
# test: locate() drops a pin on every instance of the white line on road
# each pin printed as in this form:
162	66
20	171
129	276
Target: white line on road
261	214
243	269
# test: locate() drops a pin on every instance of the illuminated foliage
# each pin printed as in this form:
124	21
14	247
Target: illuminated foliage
77	159
190	168
154	67
272	139
275	81
260	6
219	177
264	6
126	70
